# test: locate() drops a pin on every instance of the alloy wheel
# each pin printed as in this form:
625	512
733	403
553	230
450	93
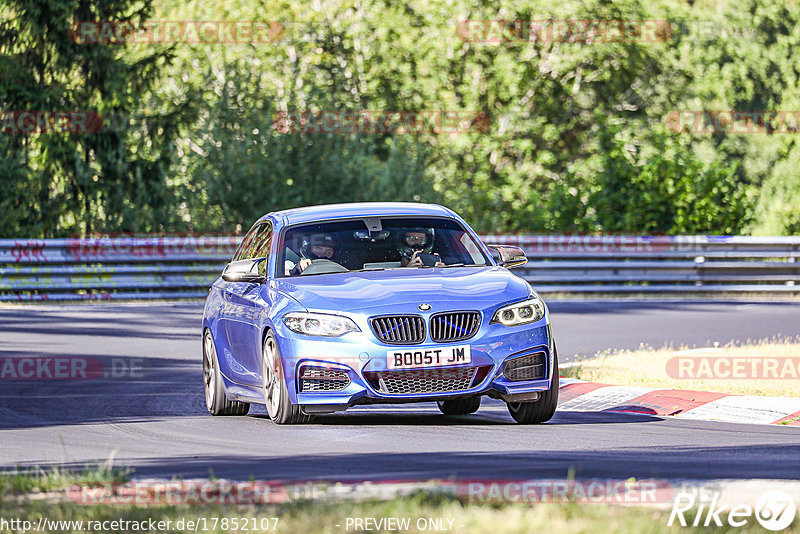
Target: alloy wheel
270	378
209	374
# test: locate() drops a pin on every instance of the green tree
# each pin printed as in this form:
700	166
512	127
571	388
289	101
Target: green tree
656	185
62	183
240	166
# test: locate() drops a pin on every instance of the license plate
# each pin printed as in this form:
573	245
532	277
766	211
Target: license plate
428	357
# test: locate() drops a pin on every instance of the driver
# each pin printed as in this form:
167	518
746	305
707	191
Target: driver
317	247
415	241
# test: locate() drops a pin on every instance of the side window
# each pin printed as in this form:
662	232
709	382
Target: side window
261	242
244	246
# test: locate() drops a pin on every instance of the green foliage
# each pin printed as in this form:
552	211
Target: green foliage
577	141
61	183
665	191
240	167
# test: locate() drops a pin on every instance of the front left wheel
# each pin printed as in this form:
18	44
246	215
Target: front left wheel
216	401
276	396
542	410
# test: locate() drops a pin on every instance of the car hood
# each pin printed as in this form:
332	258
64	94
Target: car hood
398	290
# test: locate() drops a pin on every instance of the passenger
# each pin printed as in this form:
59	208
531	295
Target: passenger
413	242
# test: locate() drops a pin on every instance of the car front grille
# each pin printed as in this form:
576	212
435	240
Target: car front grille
526	367
454	326
441	380
322	379
399	329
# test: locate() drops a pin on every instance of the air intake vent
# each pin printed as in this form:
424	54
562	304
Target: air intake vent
399	329
526	367
442	380
454	326
322	379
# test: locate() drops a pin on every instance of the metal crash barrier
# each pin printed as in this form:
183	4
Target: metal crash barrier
107	268
112	268
658	264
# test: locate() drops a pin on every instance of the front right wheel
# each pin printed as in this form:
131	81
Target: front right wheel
541	410
276	396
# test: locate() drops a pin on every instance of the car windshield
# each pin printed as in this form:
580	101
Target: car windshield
377	244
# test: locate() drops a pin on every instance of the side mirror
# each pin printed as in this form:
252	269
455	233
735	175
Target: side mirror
244	271
510	257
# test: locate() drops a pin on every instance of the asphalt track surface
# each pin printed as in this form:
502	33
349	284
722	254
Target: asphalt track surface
154	419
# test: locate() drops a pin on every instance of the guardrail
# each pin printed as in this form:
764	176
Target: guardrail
111	268
184	267
658	264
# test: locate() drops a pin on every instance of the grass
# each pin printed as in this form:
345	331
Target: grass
323	518
37	479
648	367
18	502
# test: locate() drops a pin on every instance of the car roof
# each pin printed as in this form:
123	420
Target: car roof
360	209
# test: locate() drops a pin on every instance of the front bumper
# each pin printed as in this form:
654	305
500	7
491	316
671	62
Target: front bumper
363	359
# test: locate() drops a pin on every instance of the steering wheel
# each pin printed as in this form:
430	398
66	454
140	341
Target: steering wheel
324	266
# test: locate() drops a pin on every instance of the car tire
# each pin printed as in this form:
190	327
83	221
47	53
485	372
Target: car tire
541	410
276	395
460	406
216	401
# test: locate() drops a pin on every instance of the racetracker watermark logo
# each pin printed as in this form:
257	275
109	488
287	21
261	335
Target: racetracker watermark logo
593	245
23	122
183	31
733	368
74	122
585	31
120	246
734	122
381	122
775	511
151	245
608	491
70	368
180	493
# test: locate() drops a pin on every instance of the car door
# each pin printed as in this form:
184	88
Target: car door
243	308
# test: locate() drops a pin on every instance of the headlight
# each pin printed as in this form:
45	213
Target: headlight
527	311
319	324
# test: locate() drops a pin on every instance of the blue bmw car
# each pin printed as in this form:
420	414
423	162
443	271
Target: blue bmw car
327	307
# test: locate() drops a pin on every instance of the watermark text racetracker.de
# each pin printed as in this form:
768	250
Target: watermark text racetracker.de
30	122
74	122
549	30
154	525
120	246
381	122
578	244
546	29
597	491
733	368
70	368
180	493
780	121
607	491
177	31
151	245
77	122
